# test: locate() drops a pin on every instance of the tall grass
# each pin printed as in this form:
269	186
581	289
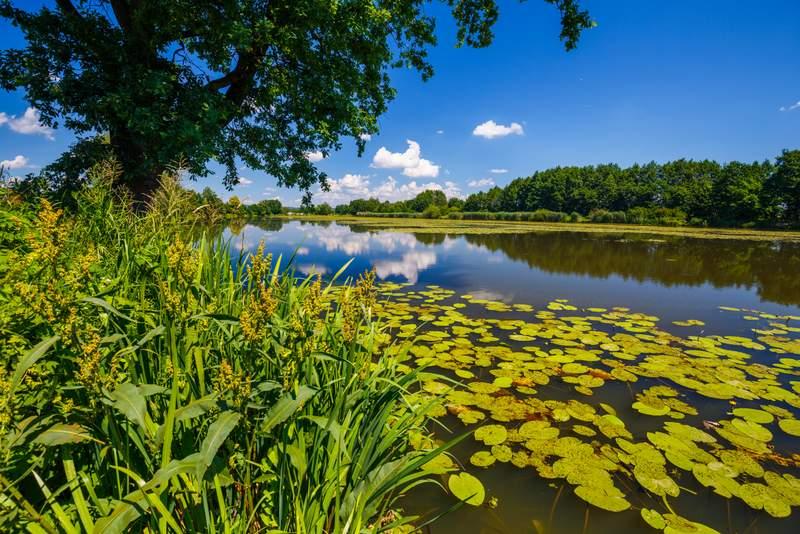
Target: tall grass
152	382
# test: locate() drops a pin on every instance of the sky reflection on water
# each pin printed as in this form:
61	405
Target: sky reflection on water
668	276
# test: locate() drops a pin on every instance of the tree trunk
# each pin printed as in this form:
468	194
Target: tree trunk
140	177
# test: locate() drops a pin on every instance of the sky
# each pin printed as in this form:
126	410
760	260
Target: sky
654	81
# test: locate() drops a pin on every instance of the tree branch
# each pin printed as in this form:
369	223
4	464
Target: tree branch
122	12
243	72
67	7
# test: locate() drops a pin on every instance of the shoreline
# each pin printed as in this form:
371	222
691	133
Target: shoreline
460	226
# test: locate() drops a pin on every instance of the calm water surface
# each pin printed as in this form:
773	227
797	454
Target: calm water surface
673	278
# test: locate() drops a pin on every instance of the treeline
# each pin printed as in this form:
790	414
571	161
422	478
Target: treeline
675	193
235	208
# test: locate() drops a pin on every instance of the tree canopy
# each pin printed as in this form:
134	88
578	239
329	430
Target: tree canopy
258	82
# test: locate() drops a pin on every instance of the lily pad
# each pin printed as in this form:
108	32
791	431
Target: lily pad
610	499
790	426
491	434
754	416
467	488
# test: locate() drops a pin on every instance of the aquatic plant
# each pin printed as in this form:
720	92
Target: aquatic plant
513	365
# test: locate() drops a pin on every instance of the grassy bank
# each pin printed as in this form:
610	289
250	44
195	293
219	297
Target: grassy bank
150	382
454	226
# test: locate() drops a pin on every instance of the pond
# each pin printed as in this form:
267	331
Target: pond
610	368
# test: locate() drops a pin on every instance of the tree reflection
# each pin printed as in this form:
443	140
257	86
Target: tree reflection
773	268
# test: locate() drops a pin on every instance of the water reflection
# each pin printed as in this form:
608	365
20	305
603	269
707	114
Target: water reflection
512	264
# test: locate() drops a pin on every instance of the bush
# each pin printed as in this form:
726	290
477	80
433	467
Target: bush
432	212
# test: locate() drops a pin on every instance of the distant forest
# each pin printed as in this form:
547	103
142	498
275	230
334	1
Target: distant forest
682	192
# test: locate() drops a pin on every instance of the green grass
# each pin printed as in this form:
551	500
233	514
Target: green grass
152	383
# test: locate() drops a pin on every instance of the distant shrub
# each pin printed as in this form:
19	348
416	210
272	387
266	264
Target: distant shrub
432	212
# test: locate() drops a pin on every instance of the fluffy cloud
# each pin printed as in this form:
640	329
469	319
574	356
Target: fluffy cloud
794	106
425	169
410	161
384	159
440	132
491	129
314	157
483	182
28	124
498	171
245	181
352	186
18	162
348	186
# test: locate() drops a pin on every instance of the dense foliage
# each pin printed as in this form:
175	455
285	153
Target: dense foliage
256	82
151	382
675	193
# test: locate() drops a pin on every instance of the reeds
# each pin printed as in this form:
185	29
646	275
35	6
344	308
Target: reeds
152	382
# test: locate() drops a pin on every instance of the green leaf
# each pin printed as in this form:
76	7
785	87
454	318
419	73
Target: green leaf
106	306
61	434
285	407
128	509
130	401
217	434
30	358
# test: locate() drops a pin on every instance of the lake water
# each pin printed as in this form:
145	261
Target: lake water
671	278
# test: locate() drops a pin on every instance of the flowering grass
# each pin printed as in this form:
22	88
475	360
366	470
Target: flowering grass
150	382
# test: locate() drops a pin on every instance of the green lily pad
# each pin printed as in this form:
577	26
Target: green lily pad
790	426
610	499
754	416
482	459
753	430
653	518
467	488
491	434
646	409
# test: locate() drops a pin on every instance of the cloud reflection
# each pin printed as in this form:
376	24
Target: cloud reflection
409	266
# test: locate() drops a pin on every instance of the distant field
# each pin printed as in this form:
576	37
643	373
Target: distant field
511	227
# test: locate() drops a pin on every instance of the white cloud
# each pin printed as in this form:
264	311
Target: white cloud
410	161
384	159
498	171
28	124
491	129
424	169
18	162
365	137
303	251
794	106
348	186
483	182
353	186
245	181
440	132
314	157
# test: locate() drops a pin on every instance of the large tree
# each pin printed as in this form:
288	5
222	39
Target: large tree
264	82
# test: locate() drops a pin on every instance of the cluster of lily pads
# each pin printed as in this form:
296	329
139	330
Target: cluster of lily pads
525	378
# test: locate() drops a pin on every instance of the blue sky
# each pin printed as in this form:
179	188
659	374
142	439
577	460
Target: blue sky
654	81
